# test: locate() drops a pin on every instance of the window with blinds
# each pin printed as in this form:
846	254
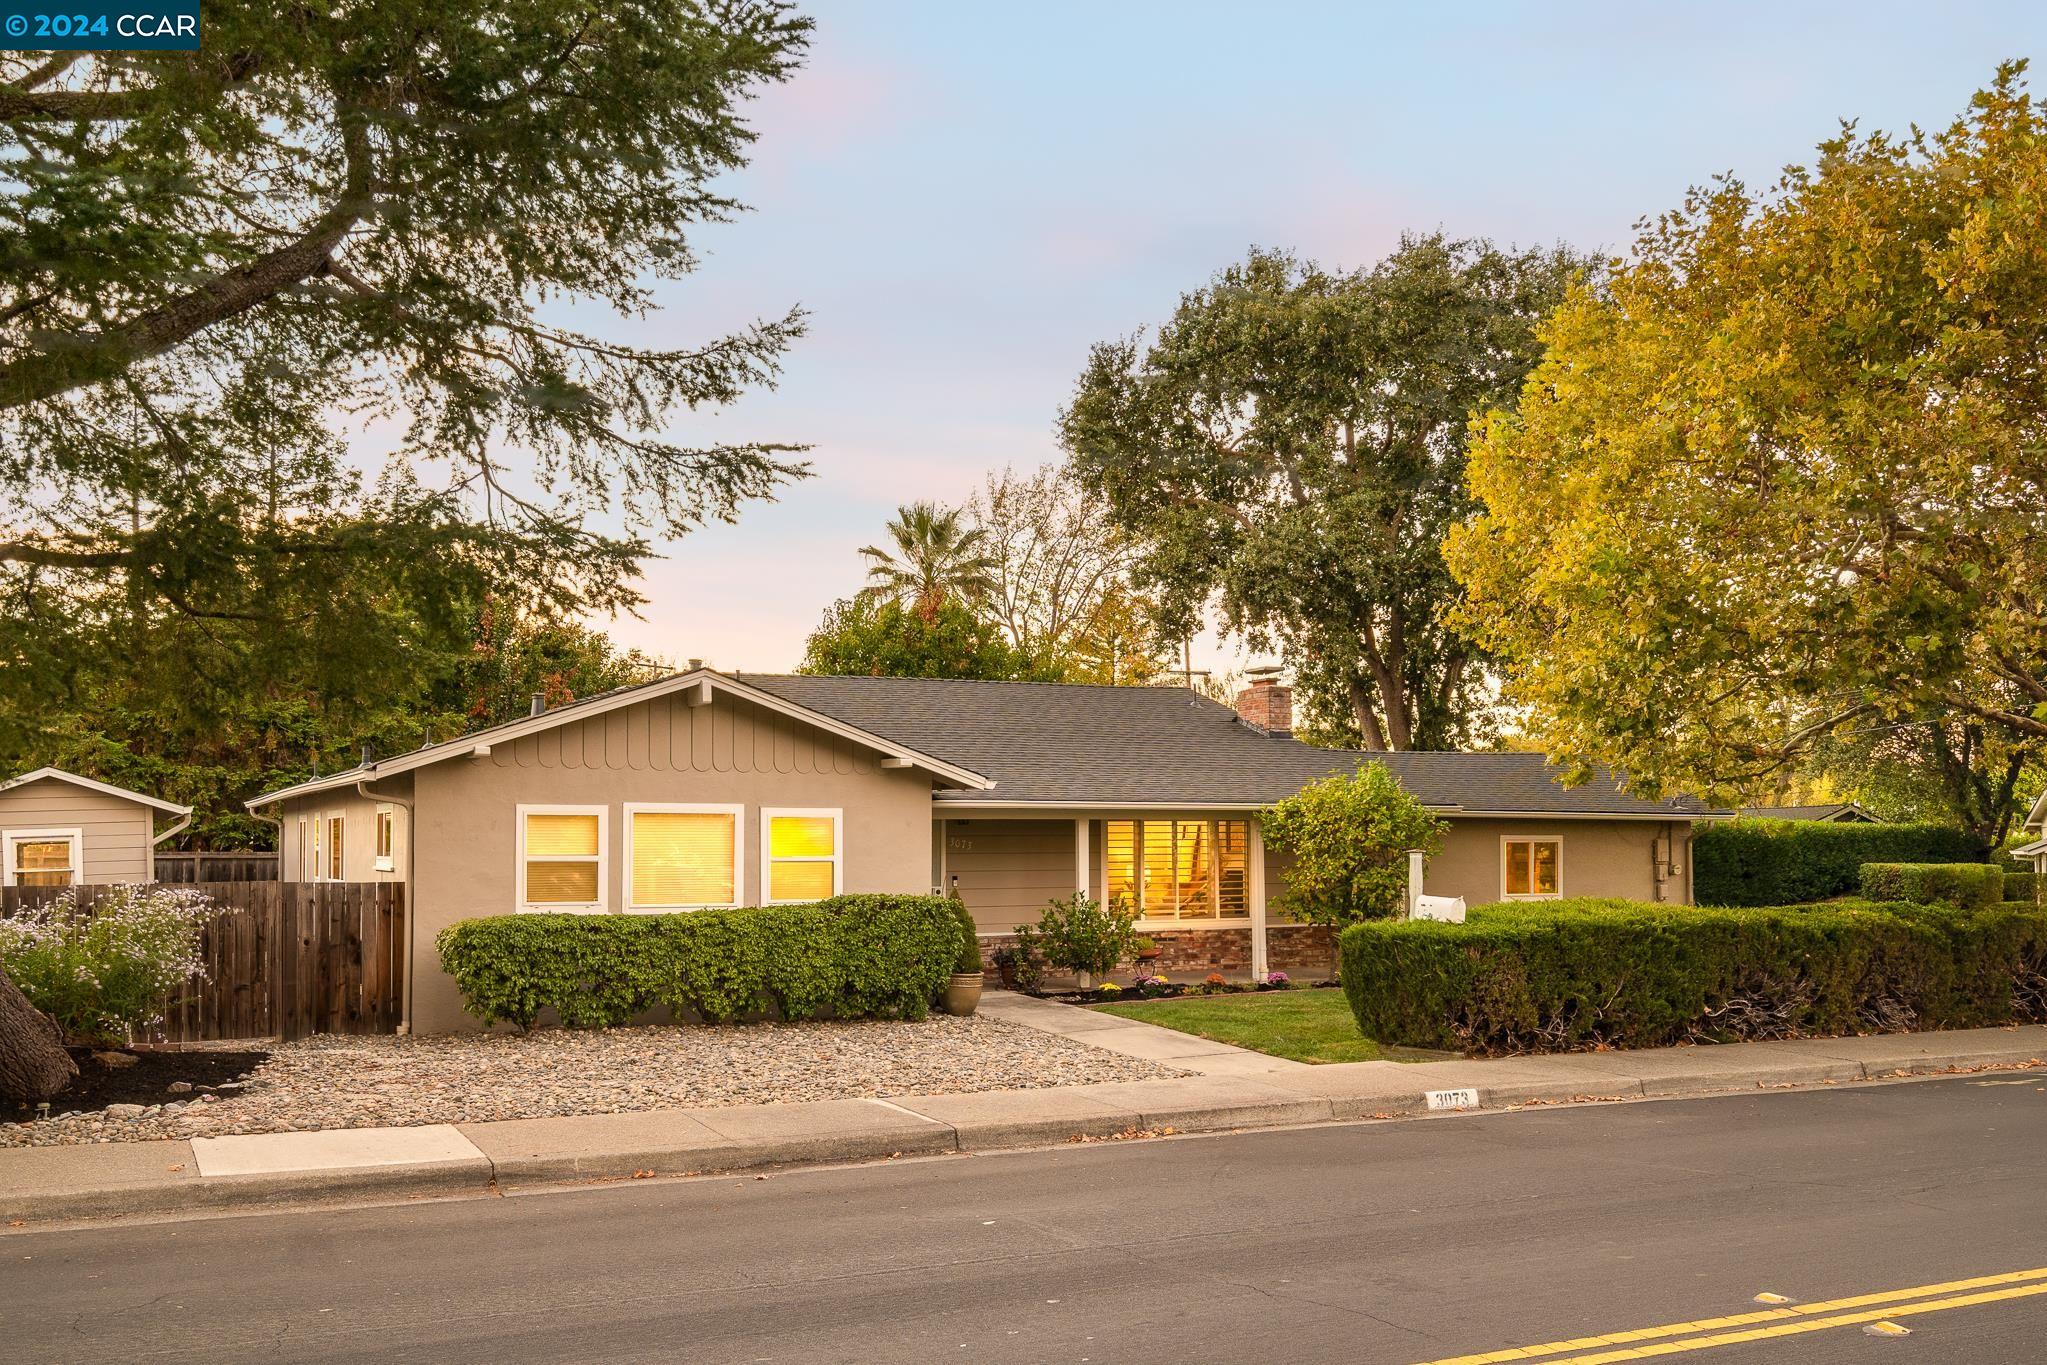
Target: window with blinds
683	857
1189	870
561	859
803	855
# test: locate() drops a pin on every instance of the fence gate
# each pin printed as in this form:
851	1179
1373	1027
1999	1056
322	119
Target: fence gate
283	960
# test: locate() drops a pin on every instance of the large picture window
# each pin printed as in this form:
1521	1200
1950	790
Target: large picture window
43	857
1182	870
561	858
682	857
801	855
1531	869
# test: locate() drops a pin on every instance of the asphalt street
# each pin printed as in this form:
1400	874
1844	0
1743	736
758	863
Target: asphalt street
1392	1242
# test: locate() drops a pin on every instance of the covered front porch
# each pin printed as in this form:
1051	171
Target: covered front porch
1197	878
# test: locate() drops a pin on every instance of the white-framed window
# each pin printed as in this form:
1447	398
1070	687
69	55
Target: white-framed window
802	855
387	827
330	847
43	857
561	859
1170	871
1531	869
682	857
309	852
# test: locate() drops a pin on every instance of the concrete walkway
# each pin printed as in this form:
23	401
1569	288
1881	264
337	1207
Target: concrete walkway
1133	1038
1235	1090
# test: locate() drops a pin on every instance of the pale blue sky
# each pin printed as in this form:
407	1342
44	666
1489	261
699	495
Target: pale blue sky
966	196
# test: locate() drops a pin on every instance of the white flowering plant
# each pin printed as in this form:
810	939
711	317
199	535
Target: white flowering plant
103	968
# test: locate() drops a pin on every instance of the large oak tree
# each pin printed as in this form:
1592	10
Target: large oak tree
1290	447
1781	480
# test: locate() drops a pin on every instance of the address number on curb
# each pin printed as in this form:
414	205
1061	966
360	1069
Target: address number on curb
1452	1099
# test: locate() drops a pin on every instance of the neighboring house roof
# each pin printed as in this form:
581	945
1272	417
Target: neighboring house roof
2036	818
1840	813
103	788
1061	744
2032	850
892	752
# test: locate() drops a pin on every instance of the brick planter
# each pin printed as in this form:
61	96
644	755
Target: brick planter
1305	951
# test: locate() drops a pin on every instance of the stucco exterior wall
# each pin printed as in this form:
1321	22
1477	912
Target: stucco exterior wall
358	834
727	753
115	833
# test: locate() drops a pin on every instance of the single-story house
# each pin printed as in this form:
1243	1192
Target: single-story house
60	829
1837	813
2036	825
714	789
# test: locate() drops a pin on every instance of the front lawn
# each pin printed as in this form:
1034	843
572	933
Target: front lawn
1305	1025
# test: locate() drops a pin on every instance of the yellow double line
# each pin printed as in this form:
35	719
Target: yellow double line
1764	1324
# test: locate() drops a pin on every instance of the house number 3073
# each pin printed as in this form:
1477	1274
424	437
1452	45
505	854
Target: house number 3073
959	844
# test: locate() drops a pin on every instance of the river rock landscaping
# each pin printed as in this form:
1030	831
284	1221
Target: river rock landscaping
330	1081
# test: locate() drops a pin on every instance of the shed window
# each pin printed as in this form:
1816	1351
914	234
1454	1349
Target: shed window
1180	869
387	822
561	858
336	867
803	854
682	857
45	857
1533	868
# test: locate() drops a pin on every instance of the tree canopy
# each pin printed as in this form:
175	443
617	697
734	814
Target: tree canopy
1781	477
1290	446
872	637
217	267
933	557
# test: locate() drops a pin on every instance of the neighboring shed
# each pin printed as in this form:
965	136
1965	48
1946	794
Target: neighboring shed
60	829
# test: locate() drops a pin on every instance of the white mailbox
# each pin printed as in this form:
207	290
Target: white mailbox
1449	909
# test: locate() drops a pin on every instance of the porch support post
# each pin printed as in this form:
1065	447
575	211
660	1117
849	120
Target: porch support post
939	863
1258	954
1080	856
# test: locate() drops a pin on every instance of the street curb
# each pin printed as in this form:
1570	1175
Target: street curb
530	1154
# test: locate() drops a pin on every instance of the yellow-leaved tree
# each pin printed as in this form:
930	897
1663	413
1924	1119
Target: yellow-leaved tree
1782	476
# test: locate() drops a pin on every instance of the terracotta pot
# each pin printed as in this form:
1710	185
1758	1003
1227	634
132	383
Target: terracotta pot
963	993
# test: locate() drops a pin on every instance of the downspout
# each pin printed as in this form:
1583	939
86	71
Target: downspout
362	789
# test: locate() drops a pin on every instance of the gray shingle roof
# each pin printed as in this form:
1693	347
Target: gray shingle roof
1834	812
1058	744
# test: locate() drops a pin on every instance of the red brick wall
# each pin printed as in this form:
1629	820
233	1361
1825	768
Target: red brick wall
1305	952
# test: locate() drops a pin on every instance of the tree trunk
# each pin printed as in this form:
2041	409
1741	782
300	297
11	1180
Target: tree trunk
33	1062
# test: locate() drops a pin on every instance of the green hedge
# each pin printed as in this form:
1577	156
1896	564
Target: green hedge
1789	862
1973	884
851	957
2023	887
1577	974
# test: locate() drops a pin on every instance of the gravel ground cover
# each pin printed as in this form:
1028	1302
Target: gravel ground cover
329	1081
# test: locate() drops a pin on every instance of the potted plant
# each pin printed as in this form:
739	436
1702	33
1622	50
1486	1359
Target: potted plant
963	992
1144	950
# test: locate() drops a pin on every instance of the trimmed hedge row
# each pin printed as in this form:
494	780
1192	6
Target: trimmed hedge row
851	957
1790	862
2023	887
1577	974
1972	884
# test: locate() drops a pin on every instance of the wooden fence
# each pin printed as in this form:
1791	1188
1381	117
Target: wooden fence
216	867
285	960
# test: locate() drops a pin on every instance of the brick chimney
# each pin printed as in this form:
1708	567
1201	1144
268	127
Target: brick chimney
1267	704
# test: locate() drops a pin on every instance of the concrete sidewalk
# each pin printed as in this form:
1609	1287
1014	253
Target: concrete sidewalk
1237	1090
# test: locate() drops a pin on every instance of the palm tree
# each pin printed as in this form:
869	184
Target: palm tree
935	558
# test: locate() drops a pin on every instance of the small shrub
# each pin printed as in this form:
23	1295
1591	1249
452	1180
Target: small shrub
1275	981
969	961
1792	862
1108	990
1078	935
105	969
1349	836
1589	973
2023	887
1933	883
850	957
